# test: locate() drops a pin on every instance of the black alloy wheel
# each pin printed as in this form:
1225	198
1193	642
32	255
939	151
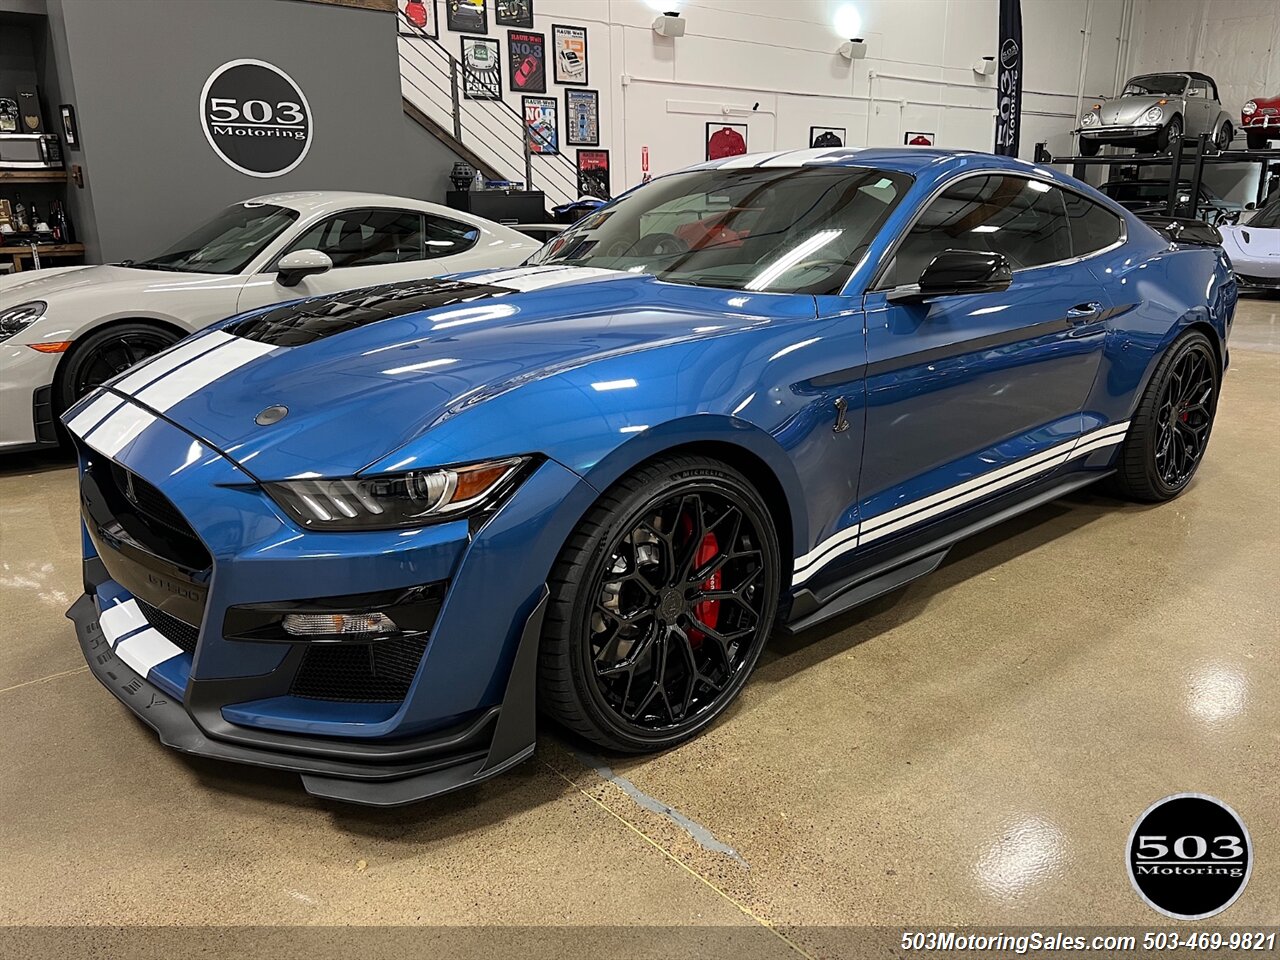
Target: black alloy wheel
1170	431
1225	136
101	355
661	603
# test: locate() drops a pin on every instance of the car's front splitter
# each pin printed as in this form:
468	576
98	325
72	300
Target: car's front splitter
497	740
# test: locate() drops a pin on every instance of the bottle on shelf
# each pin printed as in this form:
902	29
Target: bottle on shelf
61	225
19	214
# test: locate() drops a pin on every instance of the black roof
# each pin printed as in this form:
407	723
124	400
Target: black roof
1193	74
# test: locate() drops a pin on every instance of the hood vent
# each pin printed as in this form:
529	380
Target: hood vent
303	322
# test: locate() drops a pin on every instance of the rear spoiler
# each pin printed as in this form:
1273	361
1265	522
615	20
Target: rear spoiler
1184	229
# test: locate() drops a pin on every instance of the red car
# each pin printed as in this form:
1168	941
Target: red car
1260	121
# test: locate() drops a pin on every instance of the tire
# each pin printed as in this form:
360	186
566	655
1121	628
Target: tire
1178	404
1089	148
1224	137
621	594
104	353
1256	139
1171	132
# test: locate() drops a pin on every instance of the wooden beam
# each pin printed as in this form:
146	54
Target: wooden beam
385	6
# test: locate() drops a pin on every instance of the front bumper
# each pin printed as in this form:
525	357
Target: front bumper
1118	134
1269	121
26	412
373	774
465	710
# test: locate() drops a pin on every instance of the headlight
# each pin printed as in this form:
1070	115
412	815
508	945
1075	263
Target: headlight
1154	115
16	319
1249	108
389	501
1089	119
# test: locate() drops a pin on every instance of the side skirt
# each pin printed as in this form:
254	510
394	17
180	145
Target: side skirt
812	605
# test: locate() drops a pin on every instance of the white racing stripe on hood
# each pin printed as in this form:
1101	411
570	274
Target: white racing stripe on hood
798	158
199	373
111	436
152	370
556	278
92	415
499	275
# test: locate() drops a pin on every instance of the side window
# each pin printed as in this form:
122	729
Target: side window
1023	219
447	237
1093	227
361	238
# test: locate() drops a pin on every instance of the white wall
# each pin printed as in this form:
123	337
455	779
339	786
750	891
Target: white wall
773	65
1237	42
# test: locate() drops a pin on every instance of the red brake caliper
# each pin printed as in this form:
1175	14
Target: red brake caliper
707	611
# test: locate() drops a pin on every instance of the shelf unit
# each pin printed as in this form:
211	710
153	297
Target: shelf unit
34	176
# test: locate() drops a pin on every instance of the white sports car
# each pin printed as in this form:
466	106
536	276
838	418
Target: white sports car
65	330
1254	248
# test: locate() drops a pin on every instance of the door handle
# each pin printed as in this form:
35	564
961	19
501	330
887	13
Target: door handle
1084	312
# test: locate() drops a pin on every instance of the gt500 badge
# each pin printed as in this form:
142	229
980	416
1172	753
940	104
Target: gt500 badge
255	118
1190	856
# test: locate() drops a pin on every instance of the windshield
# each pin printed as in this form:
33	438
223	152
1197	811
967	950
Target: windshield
1268	216
796	230
226	243
1159	85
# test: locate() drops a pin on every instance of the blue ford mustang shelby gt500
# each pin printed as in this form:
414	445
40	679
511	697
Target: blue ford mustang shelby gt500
365	536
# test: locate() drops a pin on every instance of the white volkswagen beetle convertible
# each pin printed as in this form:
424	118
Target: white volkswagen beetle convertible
66	330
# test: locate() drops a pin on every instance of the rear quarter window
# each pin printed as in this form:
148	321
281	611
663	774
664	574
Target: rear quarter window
1093	226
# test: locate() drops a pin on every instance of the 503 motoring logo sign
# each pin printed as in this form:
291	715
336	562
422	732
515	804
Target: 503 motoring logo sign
255	118
1189	856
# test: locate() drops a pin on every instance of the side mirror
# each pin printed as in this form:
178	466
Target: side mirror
292	267
958	272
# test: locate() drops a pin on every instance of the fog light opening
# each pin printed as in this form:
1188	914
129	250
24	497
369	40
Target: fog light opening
339	624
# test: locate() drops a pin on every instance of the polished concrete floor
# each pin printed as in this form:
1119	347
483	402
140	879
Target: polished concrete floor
973	749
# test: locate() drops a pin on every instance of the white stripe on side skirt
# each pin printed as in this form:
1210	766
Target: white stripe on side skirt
918	511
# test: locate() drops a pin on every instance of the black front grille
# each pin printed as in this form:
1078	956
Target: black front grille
378	672
153	505
178	632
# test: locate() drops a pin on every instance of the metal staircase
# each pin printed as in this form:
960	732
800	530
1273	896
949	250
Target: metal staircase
490	134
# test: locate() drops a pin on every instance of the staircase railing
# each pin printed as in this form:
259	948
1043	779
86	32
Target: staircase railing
431	79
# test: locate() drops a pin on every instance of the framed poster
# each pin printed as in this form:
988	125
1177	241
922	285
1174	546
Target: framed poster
417	18
593	174
541	125
826	137
69	130
569	47
466	16
582	118
913	138
513	13
726	140
527	58
481	69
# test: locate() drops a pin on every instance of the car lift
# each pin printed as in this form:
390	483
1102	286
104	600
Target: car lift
1196	151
